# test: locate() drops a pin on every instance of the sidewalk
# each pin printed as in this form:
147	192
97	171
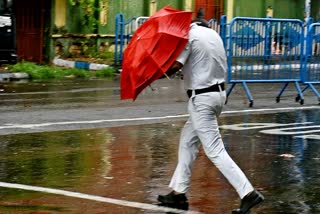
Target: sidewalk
6	75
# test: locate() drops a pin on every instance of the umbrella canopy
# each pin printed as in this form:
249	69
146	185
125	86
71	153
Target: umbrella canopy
153	48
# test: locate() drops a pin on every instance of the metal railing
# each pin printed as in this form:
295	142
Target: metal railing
264	50
123	33
311	64
259	50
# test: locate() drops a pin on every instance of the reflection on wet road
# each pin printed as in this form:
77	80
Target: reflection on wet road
135	163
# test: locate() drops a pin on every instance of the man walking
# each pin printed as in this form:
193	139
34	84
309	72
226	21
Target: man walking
204	64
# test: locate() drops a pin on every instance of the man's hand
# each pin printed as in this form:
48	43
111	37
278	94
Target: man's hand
176	66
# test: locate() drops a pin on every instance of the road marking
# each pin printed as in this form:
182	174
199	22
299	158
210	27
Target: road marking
39	125
30	126
95	198
279	129
272	109
293	130
312	137
249	126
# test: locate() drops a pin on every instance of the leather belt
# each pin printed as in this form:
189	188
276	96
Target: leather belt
213	88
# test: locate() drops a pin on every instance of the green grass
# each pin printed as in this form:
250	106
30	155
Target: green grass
45	72
106	72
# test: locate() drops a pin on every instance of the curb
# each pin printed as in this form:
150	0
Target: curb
5	77
79	64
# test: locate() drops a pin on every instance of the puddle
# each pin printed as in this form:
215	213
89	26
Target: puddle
135	163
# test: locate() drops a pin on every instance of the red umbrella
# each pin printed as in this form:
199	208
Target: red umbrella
153	48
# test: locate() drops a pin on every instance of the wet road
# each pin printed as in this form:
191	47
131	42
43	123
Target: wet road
79	137
73	105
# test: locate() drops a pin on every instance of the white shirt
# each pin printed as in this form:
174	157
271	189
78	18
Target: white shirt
204	58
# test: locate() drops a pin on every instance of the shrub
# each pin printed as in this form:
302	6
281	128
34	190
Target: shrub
106	72
44	72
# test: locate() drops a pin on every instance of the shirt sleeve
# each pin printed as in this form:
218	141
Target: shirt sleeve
183	57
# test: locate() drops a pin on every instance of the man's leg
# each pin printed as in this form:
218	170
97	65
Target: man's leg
203	114
180	181
188	150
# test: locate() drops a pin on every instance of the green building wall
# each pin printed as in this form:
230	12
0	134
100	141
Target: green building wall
129	8
136	8
315	10
76	33
172	3
133	8
254	9
290	9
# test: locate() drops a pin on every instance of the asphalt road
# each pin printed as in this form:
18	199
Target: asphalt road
278	151
27	107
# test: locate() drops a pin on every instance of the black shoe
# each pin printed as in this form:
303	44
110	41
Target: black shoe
173	199
249	201
183	206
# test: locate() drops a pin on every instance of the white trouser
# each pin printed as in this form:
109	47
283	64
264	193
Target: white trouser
202	128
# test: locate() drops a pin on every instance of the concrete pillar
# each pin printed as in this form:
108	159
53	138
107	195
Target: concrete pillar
269	11
188	5
153	7
104	12
60	13
307	9
230	7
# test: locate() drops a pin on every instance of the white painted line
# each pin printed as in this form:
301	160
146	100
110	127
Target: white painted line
249	126
272	109
39	125
30	126
312	137
95	198
293	130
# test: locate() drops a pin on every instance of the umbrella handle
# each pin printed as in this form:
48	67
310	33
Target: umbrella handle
152	89
167	76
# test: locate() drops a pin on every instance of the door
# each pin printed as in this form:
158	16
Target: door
30	17
212	8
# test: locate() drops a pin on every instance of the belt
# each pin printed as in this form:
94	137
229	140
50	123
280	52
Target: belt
213	88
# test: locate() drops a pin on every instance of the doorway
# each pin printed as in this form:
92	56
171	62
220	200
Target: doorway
213	9
30	26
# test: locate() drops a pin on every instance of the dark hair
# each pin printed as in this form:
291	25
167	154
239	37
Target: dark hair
199	20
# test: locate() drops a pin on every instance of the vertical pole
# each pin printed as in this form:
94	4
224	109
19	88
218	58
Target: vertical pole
268	41
223	30
116	39
122	32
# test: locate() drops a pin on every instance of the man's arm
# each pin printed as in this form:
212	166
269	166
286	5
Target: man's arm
176	66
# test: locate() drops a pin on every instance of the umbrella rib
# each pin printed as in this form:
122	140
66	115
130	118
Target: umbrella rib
142	77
